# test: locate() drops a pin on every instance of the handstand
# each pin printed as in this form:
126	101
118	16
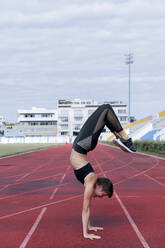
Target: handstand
86	141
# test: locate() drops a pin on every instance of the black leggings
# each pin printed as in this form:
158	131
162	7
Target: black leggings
88	136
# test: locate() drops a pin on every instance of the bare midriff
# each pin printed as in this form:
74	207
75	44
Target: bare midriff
78	160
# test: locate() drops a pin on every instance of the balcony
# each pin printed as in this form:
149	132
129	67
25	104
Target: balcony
63	127
78	119
64	119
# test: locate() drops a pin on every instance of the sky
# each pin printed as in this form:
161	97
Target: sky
67	49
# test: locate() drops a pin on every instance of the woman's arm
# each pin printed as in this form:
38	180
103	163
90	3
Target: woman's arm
88	193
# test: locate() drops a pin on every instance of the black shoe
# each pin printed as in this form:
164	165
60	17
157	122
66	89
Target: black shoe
125	145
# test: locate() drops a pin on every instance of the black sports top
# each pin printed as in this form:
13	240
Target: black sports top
83	172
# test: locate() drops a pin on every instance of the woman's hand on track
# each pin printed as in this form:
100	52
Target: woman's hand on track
95	228
91	236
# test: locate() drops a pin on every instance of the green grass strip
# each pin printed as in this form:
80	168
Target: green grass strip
12	149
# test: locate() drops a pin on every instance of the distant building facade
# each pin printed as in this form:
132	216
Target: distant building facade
3	122
73	114
66	120
37	122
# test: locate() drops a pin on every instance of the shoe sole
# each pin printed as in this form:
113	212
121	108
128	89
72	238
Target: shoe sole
122	146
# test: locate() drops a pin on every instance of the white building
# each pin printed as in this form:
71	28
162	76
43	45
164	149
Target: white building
73	114
3	122
37	121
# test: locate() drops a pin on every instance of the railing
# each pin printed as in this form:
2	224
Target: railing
140	124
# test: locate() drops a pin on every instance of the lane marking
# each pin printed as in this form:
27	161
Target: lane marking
139	173
31	172
19	179
144	174
42	178
41	206
34	180
53	194
30	191
4	187
130	196
61	180
33	228
10	176
23	176
156	181
131	221
27	174
110	170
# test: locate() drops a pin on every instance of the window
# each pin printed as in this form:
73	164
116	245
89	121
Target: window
64	119
33	123
53	123
78	118
45	115
77	127
123	118
90	111
29	115
78	112
64	133
121	111
64	126
23	123
64	111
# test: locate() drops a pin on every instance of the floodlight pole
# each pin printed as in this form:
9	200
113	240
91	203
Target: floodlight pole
129	61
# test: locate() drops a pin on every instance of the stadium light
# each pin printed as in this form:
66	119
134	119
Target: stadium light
129	61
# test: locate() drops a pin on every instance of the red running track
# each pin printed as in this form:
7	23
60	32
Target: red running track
41	200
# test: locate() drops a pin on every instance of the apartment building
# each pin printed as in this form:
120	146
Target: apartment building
73	114
37	121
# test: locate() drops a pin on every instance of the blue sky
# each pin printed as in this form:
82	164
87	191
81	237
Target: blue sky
70	49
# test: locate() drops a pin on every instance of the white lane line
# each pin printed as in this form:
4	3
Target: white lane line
156	181
33	180
4	187
33	228
41	206
143	173
53	194
42	178
61	180
19	179
30	191
131	221
136	175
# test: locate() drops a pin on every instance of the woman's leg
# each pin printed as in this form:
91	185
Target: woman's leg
88	136
122	134
122	139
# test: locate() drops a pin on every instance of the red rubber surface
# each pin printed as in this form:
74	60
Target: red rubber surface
41	200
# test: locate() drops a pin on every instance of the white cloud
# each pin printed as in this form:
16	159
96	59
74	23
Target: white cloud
54	48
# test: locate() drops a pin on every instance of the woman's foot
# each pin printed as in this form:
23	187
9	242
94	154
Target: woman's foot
125	145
